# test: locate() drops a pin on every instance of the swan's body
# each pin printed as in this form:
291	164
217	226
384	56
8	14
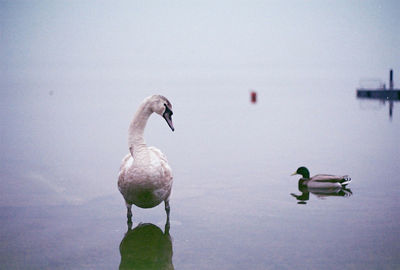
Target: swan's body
322	181
145	178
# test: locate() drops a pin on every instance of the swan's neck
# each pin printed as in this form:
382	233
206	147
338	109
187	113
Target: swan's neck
136	128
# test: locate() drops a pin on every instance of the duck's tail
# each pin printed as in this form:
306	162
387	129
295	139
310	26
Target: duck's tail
345	181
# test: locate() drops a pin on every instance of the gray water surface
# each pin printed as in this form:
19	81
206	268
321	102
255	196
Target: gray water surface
231	206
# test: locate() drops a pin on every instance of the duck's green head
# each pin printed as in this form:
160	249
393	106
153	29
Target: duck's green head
303	171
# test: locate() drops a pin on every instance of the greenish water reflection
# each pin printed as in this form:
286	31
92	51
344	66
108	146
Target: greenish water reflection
146	247
319	192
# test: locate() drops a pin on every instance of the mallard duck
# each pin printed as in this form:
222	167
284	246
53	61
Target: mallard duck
321	181
145	178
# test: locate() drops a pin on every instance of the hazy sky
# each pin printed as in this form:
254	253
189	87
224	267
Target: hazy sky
112	39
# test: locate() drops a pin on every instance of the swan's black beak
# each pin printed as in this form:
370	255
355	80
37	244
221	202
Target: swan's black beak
167	115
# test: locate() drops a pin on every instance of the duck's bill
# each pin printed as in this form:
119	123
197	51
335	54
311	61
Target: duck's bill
168	118
293	173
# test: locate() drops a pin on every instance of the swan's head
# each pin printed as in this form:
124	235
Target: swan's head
162	106
303	171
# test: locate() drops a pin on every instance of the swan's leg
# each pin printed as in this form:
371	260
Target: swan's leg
129	211
129	214
167	209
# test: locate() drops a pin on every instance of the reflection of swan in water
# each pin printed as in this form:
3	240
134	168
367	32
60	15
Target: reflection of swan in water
319	192
146	247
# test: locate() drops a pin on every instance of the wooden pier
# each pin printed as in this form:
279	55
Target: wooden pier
381	93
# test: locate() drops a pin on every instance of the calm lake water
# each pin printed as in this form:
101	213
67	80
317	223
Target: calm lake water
231	207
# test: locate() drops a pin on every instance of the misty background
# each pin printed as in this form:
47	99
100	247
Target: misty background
72	74
127	42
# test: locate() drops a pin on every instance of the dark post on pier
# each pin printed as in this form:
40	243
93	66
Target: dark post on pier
391	79
381	92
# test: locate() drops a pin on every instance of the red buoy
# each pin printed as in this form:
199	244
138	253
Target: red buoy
253	96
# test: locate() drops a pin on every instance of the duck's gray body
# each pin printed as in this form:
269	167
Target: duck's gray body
326	181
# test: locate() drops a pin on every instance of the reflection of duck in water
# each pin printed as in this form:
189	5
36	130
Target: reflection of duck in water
321	185
146	247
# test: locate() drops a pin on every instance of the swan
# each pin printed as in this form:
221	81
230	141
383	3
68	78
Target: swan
145	178
321	181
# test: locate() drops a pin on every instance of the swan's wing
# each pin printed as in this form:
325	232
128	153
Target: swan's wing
125	162
125	165
158	153
163	160
167	178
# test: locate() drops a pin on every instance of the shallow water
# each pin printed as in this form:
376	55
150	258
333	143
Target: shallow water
231	206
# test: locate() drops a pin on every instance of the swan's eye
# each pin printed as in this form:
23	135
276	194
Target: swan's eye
167	110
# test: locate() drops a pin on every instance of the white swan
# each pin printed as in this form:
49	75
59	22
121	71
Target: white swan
145	178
